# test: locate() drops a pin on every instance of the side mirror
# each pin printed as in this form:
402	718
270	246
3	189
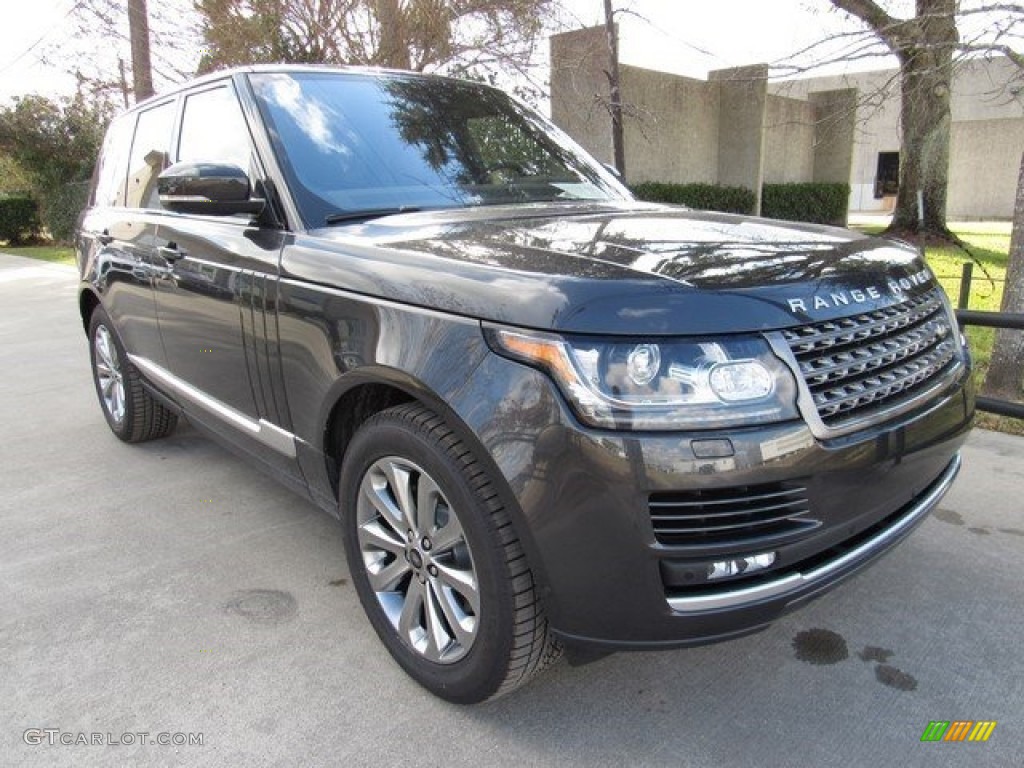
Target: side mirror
210	189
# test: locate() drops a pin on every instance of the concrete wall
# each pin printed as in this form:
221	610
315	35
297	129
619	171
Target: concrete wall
742	99
987	90
987	139
578	86
789	140
984	159
736	128
988	124
874	128
671	122
673	133
835	122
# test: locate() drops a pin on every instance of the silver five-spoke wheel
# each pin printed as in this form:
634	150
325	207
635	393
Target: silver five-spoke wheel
418	560
108	374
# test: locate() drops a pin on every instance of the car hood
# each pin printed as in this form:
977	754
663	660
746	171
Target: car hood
631	269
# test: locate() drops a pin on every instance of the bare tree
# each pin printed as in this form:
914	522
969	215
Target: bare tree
1006	366
614	89
138	32
108	51
927	45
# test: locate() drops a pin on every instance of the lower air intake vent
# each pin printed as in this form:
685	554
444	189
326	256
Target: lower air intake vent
746	515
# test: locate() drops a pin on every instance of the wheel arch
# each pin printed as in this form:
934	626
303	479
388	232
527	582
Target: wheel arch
87	303
361	395
351	408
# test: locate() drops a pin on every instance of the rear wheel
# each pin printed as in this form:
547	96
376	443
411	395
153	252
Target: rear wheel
131	412
438	568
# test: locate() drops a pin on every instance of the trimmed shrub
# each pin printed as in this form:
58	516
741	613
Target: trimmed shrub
63	205
708	197
812	202
19	219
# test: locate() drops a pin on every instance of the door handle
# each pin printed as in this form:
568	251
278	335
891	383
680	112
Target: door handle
171	252
104	237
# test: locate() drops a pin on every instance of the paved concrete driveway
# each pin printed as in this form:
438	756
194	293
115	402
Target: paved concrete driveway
169	588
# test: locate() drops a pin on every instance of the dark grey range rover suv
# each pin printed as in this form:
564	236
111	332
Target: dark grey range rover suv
546	414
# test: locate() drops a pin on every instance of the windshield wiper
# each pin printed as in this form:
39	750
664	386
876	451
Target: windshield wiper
368	213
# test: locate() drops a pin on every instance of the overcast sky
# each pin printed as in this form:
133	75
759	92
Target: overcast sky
685	36
39	26
694	36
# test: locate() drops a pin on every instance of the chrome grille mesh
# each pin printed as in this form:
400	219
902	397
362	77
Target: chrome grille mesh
877	359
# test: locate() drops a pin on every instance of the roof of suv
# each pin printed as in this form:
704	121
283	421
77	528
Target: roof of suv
222	74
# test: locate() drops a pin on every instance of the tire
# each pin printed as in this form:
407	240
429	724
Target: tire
463	643
131	412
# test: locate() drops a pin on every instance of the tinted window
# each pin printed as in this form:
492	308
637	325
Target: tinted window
213	129
351	142
113	166
149	155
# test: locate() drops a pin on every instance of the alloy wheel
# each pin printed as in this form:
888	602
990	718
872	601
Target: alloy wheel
108	374
418	560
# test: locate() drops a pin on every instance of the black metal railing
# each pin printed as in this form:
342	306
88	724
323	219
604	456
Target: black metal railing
1011	320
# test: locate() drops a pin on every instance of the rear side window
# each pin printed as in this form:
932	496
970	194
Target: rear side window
113	165
213	129
149	155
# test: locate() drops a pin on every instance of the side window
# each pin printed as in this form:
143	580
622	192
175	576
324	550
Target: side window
213	129
149	155
113	165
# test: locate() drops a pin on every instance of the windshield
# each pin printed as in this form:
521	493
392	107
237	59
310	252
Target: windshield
386	143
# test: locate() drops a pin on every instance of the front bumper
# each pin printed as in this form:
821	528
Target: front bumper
800	584
581	499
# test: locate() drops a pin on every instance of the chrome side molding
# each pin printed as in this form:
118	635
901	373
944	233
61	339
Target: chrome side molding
269	434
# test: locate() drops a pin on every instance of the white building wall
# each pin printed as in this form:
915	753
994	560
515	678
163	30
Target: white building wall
987	134
685	130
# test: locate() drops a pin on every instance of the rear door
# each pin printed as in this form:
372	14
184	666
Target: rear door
122	223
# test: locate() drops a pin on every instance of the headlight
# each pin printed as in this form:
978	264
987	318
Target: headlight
659	385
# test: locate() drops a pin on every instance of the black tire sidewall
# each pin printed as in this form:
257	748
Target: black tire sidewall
479	674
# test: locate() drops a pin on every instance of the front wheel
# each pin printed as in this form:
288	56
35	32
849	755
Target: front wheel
438	568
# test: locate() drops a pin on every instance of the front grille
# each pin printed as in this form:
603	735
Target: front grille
857	365
742	516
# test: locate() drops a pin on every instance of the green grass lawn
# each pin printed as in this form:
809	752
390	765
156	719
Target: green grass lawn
58	254
989	242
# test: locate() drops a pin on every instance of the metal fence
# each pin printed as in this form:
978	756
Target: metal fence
1011	320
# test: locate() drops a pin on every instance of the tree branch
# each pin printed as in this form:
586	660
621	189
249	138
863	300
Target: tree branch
875	17
1016	57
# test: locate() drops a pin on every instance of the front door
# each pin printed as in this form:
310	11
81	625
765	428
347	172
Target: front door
215	296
